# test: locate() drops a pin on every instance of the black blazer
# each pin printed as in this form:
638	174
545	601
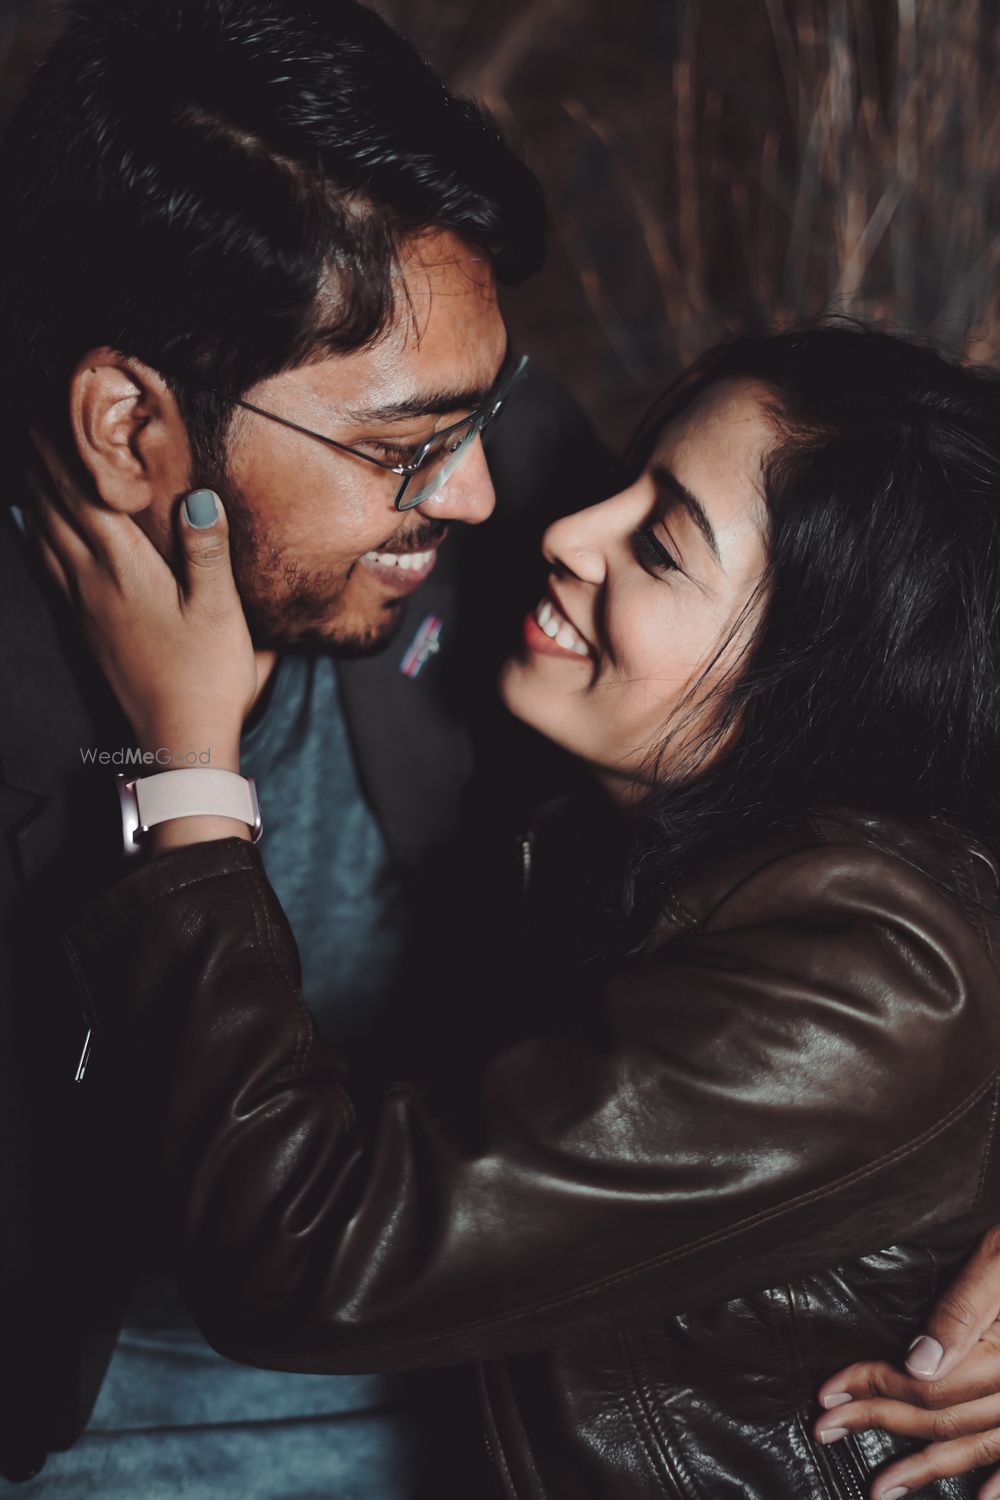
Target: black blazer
423	744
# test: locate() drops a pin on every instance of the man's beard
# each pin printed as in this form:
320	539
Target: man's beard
287	606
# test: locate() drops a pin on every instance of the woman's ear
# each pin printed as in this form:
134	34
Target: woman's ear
128	431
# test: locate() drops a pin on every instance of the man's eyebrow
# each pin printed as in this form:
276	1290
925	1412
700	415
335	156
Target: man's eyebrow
439	403
427	404
667	483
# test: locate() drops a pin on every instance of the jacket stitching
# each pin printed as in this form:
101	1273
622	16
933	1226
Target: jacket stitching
988	1152
261	924
650	1437
785	1319
691	1246
494	1445
90	1012
305	1034
269	949
821	1463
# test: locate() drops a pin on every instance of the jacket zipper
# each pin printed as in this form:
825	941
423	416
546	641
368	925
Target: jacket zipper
497	1479
526	850
498	1483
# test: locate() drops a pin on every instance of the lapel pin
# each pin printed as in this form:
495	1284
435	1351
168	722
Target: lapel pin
426	643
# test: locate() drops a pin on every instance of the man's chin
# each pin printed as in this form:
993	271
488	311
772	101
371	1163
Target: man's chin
342	638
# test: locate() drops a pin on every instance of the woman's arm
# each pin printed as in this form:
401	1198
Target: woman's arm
787	1087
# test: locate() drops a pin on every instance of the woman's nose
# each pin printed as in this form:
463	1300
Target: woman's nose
574	545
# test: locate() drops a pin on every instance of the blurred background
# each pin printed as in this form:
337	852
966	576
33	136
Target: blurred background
720	165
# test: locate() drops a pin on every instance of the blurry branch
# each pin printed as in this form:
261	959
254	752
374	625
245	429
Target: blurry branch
868	183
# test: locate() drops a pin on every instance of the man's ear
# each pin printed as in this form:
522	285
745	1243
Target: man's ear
128	431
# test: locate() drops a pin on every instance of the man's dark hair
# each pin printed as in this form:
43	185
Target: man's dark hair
869	674
220	188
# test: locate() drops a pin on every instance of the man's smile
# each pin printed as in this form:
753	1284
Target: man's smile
401	571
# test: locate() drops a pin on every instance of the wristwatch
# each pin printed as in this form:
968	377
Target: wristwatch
184	793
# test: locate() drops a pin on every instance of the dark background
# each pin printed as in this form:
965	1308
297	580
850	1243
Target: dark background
714	165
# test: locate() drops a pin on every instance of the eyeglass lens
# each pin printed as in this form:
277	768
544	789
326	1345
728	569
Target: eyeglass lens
441	463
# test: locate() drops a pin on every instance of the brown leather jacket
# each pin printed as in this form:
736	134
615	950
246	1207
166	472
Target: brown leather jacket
760	1152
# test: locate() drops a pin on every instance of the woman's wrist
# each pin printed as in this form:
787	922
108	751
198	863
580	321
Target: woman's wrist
178	748
178	833
221	752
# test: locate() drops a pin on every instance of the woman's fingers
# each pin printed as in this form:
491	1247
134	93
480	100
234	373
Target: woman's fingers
49	515
958	1416
978	1376
108	535
51	559
204	532
971	1417
941	1461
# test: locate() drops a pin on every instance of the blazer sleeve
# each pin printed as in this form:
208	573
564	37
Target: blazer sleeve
805	1077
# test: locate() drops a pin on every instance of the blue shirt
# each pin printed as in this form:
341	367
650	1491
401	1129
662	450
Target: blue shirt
323	851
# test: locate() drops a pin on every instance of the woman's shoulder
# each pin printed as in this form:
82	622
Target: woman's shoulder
834	855
838	937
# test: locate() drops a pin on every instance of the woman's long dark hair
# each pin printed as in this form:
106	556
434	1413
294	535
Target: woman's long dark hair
871	678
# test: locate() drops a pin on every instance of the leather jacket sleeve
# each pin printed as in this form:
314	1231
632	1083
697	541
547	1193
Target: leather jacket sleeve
804	1077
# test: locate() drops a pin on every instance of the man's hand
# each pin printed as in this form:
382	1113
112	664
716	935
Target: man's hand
950	1397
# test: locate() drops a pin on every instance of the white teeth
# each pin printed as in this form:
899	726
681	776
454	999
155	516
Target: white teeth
410	562
415	561
558	629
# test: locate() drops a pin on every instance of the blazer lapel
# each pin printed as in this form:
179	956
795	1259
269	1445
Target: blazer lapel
53	697
413	752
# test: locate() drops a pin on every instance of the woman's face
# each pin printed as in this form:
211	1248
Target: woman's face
646	586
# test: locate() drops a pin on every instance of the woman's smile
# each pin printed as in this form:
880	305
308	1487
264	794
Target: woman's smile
549	631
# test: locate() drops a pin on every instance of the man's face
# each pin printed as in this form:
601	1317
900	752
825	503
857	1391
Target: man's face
320	554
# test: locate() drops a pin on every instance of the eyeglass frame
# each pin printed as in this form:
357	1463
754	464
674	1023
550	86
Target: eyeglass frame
510	373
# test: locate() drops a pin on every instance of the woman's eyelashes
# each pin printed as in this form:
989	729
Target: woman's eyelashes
650	552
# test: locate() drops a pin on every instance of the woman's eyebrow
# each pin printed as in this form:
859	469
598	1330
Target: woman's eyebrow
666	482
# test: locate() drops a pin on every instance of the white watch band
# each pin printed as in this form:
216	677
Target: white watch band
184	793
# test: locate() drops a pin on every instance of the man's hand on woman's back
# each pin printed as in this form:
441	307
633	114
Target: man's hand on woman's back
950	1397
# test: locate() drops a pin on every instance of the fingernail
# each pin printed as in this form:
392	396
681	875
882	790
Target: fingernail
836	1398
832	1434
923	1357
896	1494
202	508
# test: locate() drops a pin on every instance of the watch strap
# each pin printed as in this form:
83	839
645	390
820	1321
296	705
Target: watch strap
187	792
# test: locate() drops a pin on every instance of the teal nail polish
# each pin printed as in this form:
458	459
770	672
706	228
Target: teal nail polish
202	508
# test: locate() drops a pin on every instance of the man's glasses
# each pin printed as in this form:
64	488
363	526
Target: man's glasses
434	460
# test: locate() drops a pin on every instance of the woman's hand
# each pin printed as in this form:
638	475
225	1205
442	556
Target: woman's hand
175	650
951	1397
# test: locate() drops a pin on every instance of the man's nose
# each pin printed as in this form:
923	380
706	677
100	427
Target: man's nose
468	495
